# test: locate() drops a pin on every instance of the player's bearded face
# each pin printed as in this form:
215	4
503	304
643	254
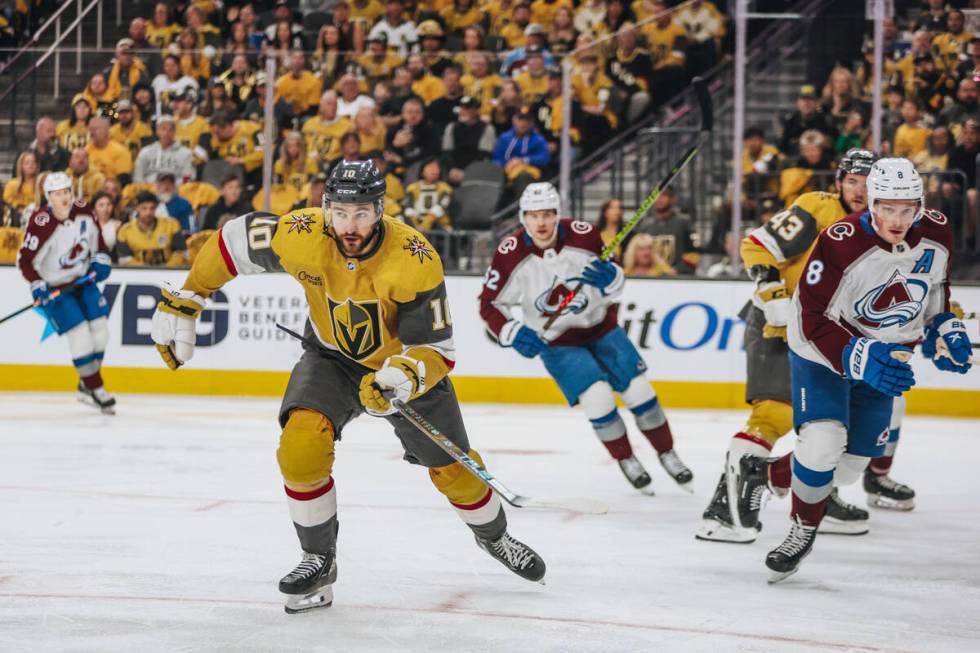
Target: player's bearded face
60	201
354	226
854	191
542	226
893	218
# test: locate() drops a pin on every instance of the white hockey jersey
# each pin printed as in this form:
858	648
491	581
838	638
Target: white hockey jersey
60	251
537	280
856	284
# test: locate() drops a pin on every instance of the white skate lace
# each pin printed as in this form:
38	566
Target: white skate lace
672	463
796	541
516	554
886	482
308	566
101	395
758	497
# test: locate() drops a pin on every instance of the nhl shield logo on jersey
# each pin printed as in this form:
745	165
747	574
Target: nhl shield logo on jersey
356	327
549	301
894	303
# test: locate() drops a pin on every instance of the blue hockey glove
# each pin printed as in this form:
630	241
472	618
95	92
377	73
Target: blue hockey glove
101	266
599	274
869	360
522	338
953	333
40	292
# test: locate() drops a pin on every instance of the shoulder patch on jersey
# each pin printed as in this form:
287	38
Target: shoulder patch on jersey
301	223
81	202
840	230
581	227
508	246
42	219
415	246
935	216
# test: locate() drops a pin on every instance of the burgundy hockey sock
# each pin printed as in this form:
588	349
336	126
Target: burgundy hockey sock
881	466
809	514
781	473
660	437
92	381
619	448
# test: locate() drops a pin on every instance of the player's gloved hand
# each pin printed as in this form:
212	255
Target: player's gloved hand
522	338
173	325
871	361
400	376
40	292
101	267
956	357
777	307
599	274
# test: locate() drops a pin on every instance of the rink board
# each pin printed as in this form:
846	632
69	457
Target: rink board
687	330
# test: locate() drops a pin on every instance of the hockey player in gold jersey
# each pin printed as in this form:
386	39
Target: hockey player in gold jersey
774	255
379	323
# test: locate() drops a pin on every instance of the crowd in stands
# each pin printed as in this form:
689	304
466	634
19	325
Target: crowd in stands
169	138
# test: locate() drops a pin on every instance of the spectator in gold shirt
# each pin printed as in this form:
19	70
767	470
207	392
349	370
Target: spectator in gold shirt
299	87
85	182
21	191
130	131
107	156
323	131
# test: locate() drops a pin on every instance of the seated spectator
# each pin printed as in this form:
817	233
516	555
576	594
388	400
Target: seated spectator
216	100
144	102
85	182
366	11
852	133
351	99
282	110
125	71
233	142
230	205
161	30
892	117
760	163
398	90
971	62
672	233
323	131
933	17
431	39
151	240
618	15
534	37
171	83
294	168
798	175
806	117
935	159
548	115
841	97
473	44
643	260
589	14
482	83
283	41
299	87
208	36
104	211
239	82
190	127
193	63
458	16
370	130
238	45
107	156
350	149
176	206
512	29
72	132
21	191
130	131
351	32
250	21
426	203
394	190
424	84
543	11
921	46
522	152
629	69
413	140
313	195
283	14
533	79
951	45
705	27
911	135
964	159
113	189
97	93
505	106
443	110
165	156
610	223
561	32
667	44
931	85
964	108
467	140
400	32
378	63
47	150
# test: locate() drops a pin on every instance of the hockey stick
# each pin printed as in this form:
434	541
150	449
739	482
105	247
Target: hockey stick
581	505
707	123
88	277
942	351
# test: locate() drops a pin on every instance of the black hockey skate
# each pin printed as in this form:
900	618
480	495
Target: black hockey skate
843	518
636	474
785	559
753	489
516	556
99	398
309	585
883	492
677	470
716	522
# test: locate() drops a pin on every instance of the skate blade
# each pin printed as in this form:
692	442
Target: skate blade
712	531
88	401
687	487
778	576
830	526
902	505
322	598
647	490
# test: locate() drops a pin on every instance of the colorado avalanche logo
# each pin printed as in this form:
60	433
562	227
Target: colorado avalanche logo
549	301
79	252
894	303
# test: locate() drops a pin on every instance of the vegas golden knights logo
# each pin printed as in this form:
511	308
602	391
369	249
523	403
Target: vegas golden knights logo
356	327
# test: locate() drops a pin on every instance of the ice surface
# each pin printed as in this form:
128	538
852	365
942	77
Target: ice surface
165	529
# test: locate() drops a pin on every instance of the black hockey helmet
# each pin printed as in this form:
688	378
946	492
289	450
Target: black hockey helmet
355	182
855	161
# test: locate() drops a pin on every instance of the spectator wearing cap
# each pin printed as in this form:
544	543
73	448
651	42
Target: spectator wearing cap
443	110
431	39
351	99
413	140
230	205
129	130
299	87
667	44
400	32
378	63
964	108
466	140
323	131
107	156
282	109
312	193
911	136
171	83
236	144
629	69
48	151
85	182
72	132
175	206
514	31
522	152
161	29
426	203
533	80
536	40
151	240
807	116
165	156
125	71
190	126
239	82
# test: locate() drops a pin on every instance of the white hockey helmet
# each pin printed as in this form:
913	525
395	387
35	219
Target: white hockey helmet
55	181
894	178
539	196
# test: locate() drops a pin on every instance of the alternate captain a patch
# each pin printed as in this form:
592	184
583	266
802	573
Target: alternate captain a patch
415	246
301	223
356	327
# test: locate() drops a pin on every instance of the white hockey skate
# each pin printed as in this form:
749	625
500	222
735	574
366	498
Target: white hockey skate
98	398
637	476
677	470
